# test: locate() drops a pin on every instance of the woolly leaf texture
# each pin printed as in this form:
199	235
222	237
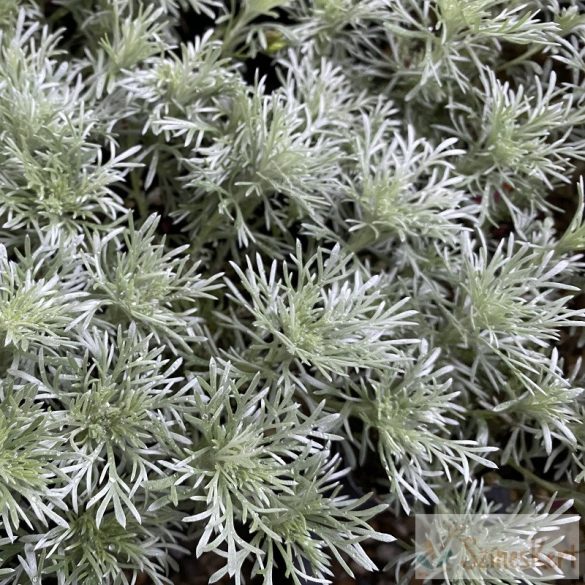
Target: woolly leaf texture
252	250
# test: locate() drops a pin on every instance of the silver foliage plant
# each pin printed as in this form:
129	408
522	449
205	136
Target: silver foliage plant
364	260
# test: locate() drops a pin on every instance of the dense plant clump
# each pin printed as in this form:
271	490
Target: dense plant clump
250	249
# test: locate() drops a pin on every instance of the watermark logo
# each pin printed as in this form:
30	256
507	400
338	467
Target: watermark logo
496	546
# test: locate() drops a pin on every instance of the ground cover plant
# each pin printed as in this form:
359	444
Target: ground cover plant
270	268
